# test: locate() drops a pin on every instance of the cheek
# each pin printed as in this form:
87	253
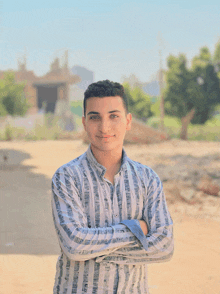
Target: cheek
91	130
121	128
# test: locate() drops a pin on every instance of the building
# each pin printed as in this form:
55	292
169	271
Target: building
46	91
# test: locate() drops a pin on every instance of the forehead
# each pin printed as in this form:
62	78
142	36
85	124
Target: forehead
104	104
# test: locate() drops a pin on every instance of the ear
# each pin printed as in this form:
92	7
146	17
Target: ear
129	119
84	122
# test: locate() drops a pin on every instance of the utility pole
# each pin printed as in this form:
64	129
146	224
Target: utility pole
66	59
25	59
161	85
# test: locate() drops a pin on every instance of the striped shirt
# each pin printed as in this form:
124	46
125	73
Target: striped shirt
103	249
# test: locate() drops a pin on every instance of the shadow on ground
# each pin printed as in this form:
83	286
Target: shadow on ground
26	225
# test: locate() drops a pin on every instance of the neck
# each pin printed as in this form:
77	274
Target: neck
108	159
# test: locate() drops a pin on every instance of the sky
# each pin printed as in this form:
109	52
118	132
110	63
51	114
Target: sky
113	38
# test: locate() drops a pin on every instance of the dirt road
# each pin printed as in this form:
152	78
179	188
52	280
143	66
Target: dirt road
29	247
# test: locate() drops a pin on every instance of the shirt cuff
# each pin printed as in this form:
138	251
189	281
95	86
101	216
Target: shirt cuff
134	226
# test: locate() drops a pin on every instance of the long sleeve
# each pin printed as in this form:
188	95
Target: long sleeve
158	245
78	241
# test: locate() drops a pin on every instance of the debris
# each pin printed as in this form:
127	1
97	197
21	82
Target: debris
187	194
10	244
208	186
143	134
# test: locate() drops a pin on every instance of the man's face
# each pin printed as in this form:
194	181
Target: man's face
106	122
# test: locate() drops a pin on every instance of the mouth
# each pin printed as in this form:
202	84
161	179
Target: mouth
105	137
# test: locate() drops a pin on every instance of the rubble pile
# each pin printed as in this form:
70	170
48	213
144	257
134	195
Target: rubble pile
208	186
192	181
143	134
188	168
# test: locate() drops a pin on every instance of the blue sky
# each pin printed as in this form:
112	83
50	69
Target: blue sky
112	38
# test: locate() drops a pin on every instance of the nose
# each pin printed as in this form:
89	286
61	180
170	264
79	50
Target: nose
104	126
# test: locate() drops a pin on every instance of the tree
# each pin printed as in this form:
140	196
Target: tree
12	98
206	75
177	96
139	103
216	58
191	94
155	108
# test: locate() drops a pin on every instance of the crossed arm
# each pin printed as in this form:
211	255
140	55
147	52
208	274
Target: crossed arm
143	226
131	241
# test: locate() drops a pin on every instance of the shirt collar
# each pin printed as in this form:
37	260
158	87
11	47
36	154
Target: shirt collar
100	168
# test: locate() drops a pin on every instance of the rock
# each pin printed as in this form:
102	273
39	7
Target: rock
208	186
171	190
187	194
179	192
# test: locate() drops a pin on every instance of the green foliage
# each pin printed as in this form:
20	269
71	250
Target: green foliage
49	130
209	87
76	107
8	133
217	108
210	131
154	122
216	57
203	57
214	122
43	133
155	108
195	88
169	122
204	133
139	103
175	95
3	111
38	133
154	99
12	99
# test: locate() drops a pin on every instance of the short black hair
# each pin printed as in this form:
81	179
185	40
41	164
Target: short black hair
105	88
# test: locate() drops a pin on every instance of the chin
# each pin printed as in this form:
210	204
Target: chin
106	146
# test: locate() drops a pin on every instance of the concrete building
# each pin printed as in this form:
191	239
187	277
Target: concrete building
46	91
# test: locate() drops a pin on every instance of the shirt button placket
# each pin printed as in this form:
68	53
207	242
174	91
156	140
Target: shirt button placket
115	206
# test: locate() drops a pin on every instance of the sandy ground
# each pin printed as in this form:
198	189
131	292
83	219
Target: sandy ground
29	247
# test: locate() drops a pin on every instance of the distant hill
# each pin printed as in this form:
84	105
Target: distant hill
76	92
152	88
87	76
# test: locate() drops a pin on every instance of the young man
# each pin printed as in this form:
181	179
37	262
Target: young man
109	211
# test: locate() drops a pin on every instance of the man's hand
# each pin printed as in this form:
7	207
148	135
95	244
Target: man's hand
143	226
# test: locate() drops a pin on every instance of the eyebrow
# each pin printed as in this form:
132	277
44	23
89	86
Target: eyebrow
95	112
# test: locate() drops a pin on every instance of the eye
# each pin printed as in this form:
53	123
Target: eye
114	116
94	117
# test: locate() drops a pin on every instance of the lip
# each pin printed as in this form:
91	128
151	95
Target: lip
105	137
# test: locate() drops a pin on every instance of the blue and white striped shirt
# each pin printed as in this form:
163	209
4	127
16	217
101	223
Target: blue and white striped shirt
103	249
